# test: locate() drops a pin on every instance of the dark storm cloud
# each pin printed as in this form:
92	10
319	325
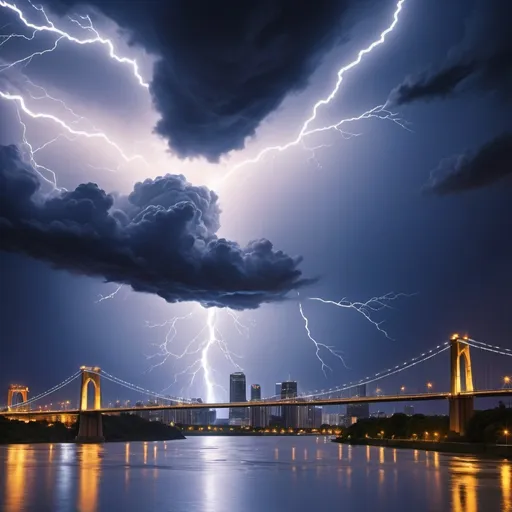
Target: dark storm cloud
224	65
492	162
482	61
160	239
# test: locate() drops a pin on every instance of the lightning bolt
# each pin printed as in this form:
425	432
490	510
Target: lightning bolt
29	58
57	120
38	167
212	338
110	295
201	345
197	346
305	131
46	96
319	345
51	28
368	307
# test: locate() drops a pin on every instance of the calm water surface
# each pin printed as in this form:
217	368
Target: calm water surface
247	474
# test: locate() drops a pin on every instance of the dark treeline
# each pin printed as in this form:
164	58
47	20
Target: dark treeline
128	427
488	426
400	426
125	427
14	431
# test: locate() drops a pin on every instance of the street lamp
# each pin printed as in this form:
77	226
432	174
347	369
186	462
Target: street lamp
429	386
505	433
402	389
506	381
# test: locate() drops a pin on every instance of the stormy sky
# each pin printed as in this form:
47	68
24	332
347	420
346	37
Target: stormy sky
167	208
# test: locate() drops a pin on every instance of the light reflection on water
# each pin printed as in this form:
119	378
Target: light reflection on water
272	474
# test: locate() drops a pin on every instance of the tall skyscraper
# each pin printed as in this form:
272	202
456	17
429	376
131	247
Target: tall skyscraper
289	413
237	393
276	411
258	415
255	392
358	410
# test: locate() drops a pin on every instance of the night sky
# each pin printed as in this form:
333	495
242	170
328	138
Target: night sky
420	205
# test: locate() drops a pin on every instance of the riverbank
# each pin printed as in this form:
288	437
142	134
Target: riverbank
125	427
488	450
191	433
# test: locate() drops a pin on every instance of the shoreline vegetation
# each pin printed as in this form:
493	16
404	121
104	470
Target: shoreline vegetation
482	449
126	427
488	433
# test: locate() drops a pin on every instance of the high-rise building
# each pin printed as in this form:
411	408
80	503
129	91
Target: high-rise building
255	392
358	410
276	411
333	419
289	412
258	415
199	416
409	410
309	416
237	393
289	389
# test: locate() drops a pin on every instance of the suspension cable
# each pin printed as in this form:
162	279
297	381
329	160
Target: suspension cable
134	387
508	350
488	348
55	388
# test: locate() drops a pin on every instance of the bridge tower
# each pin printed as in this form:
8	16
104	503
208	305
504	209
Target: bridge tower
461	407
15	389
90	374
90	428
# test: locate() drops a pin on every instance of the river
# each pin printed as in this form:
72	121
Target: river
249	474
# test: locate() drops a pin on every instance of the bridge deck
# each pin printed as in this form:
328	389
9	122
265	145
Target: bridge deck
277	403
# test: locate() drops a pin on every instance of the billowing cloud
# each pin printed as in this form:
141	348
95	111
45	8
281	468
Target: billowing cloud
481	61
160	239
491	163
224	65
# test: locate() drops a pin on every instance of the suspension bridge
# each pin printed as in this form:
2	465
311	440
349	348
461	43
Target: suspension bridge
460	396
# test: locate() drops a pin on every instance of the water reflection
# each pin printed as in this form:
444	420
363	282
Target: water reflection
464	485
15	477
506	484
213	473
89	476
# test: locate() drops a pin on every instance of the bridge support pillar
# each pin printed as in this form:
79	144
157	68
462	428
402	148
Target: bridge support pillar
461	411
90	427
461	407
